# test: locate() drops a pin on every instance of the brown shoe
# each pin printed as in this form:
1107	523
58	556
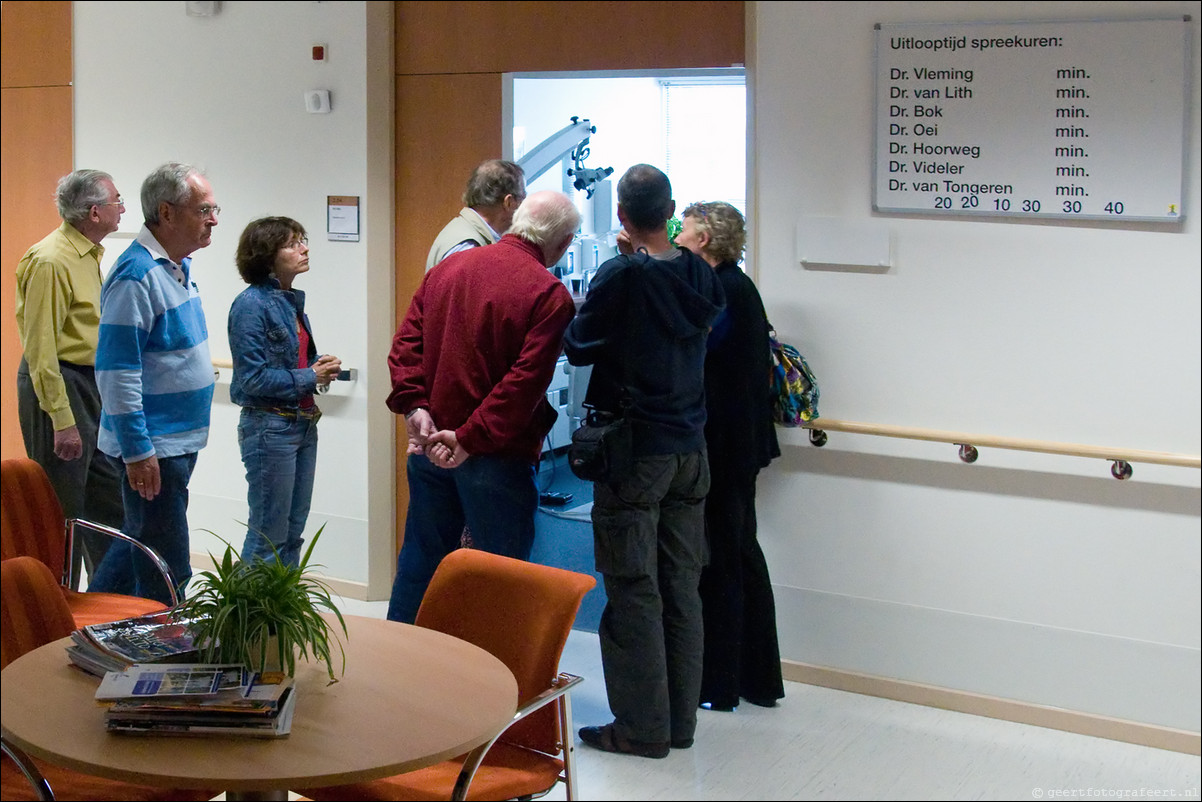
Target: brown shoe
606	739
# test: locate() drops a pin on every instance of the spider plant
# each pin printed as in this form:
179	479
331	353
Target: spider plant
244	611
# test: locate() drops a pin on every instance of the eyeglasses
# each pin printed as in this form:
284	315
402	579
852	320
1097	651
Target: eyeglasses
203	211
298	242
119	202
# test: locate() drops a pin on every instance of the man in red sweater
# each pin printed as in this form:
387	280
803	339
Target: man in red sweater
470	367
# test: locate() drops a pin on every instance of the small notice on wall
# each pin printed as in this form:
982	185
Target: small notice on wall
342	218
1032	119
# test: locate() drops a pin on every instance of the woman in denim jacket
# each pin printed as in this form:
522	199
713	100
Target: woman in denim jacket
276	373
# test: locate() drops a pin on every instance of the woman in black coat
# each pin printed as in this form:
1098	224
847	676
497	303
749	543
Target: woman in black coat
742	656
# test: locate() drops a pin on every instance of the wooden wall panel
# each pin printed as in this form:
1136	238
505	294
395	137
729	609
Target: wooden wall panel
35	151
36	41
468	37
445	126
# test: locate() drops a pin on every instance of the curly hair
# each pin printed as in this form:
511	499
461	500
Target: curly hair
725	226
259	243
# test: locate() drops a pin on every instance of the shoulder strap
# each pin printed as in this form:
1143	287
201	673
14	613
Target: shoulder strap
635	262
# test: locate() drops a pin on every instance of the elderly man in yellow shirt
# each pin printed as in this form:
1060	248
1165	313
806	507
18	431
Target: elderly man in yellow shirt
58	318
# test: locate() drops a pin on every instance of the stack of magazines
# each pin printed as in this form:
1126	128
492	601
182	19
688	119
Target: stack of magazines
163	637
197	699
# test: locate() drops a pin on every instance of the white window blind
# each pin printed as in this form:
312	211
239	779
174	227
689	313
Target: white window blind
706	141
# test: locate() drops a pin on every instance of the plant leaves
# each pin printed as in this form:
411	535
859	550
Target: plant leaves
240	606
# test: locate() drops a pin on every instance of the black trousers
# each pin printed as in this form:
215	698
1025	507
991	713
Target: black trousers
88	487
742	654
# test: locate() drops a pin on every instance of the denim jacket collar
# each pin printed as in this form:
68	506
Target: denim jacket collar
296	296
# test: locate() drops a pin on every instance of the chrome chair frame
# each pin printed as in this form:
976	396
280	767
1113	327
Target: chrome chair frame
69	577
35	778
558	690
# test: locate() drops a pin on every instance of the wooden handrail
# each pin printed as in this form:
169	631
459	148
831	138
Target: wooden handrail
347	374
1117	455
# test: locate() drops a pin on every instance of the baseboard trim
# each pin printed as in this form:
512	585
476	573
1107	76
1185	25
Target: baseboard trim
1134	732
343	587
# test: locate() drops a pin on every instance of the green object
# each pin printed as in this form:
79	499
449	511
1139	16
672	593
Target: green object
240	608
674	226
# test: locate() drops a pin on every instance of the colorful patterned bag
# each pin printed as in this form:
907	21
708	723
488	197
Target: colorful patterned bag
794	388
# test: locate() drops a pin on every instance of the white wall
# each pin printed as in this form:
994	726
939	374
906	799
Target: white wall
1032	577
225	93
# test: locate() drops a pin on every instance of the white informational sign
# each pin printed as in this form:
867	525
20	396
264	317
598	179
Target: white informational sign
1033	119
342	218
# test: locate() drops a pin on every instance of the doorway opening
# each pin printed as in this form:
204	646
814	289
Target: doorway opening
692	125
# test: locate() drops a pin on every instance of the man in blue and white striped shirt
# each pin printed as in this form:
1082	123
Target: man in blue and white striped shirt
156	378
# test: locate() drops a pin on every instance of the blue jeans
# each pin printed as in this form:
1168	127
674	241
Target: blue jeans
496	497
161	524
280	455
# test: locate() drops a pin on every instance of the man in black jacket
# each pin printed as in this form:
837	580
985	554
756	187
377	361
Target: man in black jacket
643	327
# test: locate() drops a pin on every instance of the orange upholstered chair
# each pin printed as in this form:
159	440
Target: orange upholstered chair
32	524
33	613
522	613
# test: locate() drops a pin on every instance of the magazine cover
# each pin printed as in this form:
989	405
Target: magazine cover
173	679
162	637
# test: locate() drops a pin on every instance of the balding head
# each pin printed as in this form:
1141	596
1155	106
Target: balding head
549	220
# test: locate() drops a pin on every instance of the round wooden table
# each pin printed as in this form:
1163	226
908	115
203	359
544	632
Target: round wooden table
410	697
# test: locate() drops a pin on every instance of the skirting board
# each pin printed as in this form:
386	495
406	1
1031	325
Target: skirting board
993	707
343	587
1117	677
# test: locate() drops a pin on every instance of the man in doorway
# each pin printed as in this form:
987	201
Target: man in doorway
156	377
494	191
643	327
470	367
58	320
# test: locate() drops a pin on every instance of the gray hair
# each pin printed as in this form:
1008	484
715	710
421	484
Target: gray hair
168	183
725	225
491	181
78	192
545	219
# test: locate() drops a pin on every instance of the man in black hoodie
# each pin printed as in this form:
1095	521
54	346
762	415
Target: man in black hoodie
643	327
